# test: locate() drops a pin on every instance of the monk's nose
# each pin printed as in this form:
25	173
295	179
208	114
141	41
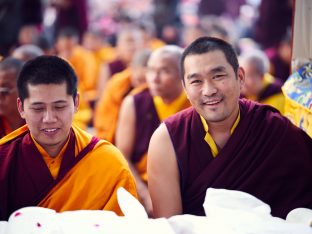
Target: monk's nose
49	116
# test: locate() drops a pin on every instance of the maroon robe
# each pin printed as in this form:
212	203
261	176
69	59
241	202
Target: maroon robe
24	176
2	127
147	121
266	156
116	66
271	89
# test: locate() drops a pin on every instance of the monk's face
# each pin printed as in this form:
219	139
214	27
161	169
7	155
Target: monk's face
162	76
8	93
253	80
212	86
49	112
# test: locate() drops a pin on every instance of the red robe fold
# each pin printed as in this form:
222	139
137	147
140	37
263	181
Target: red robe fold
266	156
90	173
27	163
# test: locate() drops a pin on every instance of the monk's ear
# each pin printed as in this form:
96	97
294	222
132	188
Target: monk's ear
77	102
183	85
241	76
20	108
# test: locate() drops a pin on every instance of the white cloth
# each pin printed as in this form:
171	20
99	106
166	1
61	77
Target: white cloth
228	212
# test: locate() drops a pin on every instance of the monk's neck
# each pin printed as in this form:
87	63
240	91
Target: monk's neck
54	150
216	129
171	98
221	131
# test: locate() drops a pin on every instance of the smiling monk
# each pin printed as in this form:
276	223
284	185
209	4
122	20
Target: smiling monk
225	142
50	163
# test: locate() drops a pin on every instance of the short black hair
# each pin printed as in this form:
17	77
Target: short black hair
46	70
208	44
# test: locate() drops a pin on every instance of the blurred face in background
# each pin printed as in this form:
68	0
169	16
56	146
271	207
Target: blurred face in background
65	45
27	34
92	42
163	76
127	44
8	92
138	76
253	80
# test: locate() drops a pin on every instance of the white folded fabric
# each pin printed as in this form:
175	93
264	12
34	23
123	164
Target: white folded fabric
228	212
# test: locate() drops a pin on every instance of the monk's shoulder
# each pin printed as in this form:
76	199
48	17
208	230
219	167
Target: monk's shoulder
182	117
14	136
108	155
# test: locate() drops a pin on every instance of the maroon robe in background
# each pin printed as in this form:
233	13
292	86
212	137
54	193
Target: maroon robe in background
24	176
2	128
266	156
281	68
116	66
271	89
73	16
147	121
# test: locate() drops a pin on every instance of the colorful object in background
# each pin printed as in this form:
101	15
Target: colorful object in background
298	92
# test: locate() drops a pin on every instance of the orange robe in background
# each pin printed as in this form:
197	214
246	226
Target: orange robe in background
105	54
85	66
156	43
84	114
89	174
107	110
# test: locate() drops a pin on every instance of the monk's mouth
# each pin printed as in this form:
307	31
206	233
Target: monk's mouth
212	102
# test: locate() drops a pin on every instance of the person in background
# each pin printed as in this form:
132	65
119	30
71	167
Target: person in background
280	58
71	14
150	41
27	52
49	162
191	33
10	118
259	85
44	43
142	112
13	16
225	142
118	87
129	40
27	34
84	64
94	41
103	53
83	61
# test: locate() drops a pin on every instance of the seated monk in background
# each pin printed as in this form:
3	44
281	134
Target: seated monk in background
225	142
141	113
10	118
118	87
49	162
129	40
259	85
82	60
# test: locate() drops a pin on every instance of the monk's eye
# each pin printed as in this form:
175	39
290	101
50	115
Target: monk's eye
60	107
37	109
195	82
218	76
